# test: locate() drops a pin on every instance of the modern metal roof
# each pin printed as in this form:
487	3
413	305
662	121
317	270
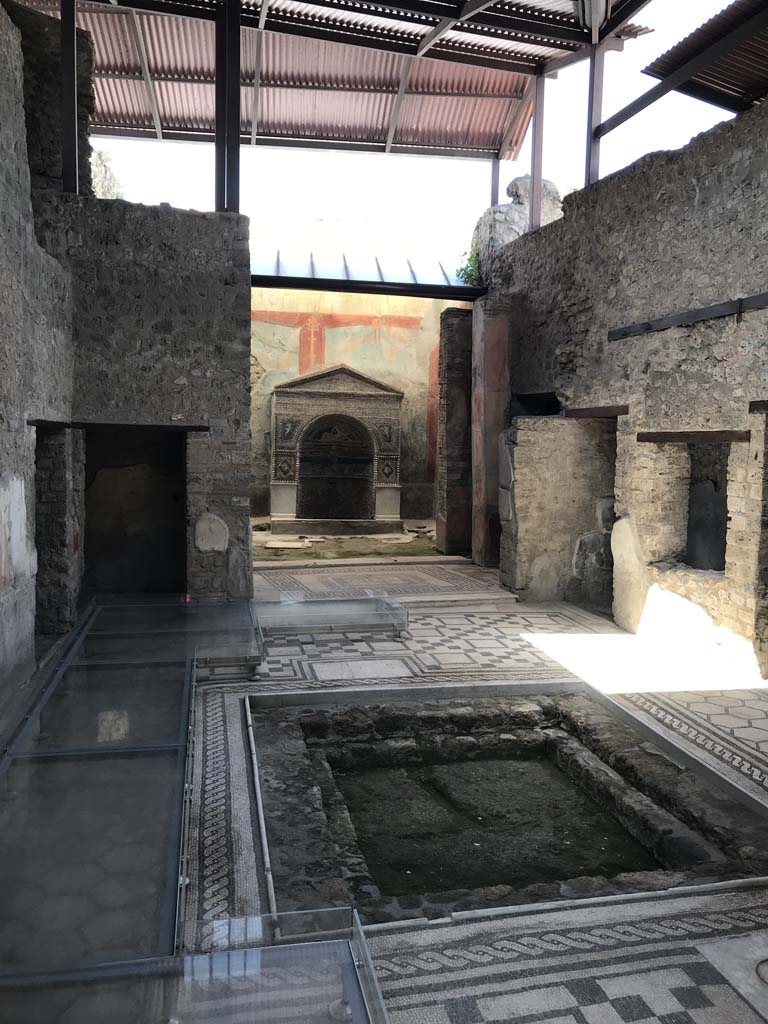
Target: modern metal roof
416	76
360	272
735	74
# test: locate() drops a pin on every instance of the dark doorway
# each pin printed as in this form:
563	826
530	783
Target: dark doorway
134	510
336	470
707	506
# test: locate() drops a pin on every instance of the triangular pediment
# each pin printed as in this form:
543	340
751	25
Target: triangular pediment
339	378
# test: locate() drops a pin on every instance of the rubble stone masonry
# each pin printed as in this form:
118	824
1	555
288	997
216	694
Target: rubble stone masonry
673	232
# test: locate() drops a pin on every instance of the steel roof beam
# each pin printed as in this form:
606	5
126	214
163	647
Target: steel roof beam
377	39
394	116
470	7
247	81
708	57
134	29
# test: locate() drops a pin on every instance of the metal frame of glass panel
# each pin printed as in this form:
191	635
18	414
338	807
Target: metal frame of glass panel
294	613
193	623
245	950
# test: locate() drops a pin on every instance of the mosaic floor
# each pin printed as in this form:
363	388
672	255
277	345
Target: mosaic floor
725	729
359	580
649	961
440	647
681	957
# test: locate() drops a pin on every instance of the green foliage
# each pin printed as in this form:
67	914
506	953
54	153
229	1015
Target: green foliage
106	184
469	271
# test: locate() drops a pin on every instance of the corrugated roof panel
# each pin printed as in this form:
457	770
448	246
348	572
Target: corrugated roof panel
442	76
179	46
111	37
186	106
739	77
339	89
450	121
289	60
120	102
356	265
359	117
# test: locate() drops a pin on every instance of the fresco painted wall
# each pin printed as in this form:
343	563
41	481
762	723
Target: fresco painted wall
392	338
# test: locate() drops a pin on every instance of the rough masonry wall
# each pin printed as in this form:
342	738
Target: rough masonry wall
41	43
35	370
556	481
453	484
393	339
161	332
674	231
59	531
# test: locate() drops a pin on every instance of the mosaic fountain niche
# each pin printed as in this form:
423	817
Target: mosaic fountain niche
424	809
335	454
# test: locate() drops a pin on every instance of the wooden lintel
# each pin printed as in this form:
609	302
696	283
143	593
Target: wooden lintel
759	406
187	428
598	412
692	436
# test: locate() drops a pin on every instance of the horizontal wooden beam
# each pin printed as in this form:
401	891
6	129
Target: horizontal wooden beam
692	436
597	412
734	307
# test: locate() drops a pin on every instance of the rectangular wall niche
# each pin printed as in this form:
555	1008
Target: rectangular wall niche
707	505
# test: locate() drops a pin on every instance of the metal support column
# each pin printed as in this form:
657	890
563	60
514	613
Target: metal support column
537	152
594	113
495	168
221	110
232	8
69	168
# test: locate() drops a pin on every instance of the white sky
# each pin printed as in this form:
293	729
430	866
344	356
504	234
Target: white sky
301	200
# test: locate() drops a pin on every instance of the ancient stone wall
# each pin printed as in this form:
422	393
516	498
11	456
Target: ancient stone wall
556	481
673	232
59	531
162	337
453	484
35	369
40	40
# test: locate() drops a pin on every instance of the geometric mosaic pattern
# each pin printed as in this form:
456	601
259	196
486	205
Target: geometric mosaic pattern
471	647
626	962
727	729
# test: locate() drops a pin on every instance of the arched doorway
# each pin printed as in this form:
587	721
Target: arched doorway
336	470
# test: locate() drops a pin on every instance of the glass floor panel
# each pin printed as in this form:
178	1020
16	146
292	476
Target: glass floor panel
84	859
253	973
161	646
295	615
112	705
297	983
143	618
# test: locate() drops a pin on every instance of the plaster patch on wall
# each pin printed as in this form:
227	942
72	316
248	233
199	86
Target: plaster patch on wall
17	555
211	533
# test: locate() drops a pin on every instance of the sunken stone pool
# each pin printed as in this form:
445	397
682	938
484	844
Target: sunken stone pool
422	809
472	824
